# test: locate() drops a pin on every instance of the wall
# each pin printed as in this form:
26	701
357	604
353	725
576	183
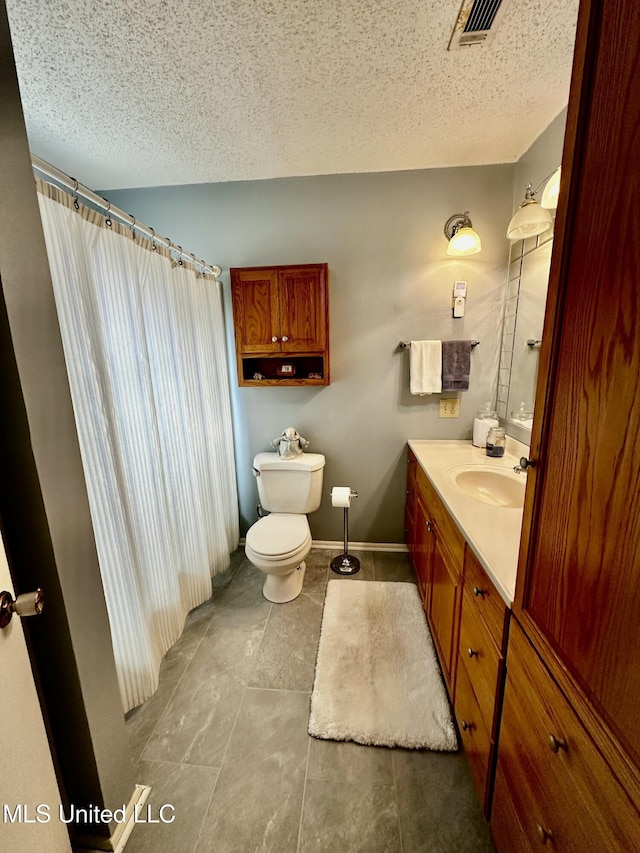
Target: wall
390	280
44	509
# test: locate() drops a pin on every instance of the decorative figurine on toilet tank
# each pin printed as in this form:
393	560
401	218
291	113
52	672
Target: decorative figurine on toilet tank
290	444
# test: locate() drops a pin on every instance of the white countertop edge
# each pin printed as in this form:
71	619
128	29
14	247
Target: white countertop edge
444	454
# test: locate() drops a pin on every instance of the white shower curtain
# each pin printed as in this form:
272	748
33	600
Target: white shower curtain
144	345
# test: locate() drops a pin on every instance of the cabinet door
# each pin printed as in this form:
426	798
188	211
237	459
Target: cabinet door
444	610
303	308
410	505
256	310
423	551
581	592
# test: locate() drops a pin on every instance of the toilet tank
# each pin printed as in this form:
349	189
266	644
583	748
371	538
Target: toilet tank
289	485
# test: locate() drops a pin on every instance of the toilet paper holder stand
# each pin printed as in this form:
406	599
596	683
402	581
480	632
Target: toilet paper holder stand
346	564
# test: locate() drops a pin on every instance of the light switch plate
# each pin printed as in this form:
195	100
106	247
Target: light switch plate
449	408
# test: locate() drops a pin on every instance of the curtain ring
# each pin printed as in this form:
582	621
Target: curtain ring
107	220
153	239
180	256
133	225
76	203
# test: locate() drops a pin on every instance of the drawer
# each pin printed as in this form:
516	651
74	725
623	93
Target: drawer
560	786
447	531
481	658
490	604
473	732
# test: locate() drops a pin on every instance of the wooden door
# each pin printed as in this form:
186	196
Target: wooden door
580	594
423	550
256	310
28	787
303	307
444	610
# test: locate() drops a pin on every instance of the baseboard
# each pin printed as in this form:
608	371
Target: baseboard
117	841
338	545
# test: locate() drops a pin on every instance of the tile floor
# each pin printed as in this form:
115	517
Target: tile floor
224	740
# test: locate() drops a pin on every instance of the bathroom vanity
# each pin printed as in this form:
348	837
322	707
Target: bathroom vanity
463	517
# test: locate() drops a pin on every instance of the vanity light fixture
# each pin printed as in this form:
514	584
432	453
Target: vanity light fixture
463	240
529	219
552	189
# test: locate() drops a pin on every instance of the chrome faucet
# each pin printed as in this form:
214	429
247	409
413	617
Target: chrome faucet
524	464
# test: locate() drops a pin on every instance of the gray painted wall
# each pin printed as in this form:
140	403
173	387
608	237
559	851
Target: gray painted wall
540	160
390	280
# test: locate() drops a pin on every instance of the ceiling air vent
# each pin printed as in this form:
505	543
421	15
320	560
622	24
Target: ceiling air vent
477	23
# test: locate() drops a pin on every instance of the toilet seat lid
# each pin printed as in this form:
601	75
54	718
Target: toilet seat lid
278	534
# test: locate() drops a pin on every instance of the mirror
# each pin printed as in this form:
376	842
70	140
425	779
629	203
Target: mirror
530	292
526	291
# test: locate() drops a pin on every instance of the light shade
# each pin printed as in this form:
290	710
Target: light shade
550	192
463	240
530	219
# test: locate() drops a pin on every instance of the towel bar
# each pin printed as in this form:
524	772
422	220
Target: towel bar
405	344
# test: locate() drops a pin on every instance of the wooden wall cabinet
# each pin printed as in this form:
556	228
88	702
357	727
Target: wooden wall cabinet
281	319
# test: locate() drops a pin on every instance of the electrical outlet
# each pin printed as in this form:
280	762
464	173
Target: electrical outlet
449	408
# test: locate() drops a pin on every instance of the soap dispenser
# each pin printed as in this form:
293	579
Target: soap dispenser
484	421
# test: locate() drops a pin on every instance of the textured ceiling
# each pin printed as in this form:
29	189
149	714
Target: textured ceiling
125	94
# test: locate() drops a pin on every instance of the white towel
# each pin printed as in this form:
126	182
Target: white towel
426	367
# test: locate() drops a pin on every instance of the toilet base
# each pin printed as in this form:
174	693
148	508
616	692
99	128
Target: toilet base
283	588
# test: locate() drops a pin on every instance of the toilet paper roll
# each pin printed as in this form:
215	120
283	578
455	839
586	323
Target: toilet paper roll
341	496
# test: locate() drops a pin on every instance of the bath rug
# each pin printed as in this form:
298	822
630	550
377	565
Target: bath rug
377	679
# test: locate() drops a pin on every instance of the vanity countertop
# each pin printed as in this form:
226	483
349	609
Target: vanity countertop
493	532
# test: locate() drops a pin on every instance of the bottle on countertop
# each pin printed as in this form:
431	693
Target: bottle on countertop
496	441
484	420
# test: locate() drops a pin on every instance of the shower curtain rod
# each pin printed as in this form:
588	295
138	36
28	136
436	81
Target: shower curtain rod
73	186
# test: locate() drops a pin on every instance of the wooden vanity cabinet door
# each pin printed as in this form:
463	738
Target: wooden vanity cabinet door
474	733
256	310
410	505
423	551
550	770
303	305
444	611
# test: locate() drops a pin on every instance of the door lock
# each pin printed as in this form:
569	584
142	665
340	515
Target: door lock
28	604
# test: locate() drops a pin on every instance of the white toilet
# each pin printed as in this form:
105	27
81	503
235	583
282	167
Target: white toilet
278	543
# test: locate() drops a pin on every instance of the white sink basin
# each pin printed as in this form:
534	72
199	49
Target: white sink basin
490	485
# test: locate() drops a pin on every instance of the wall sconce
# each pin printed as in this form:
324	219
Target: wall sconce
550	193
532	218
463	240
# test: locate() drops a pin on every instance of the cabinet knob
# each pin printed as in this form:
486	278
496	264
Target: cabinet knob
429	527
466	726
556	743
478	591
472	653
544	834
285	338
274	339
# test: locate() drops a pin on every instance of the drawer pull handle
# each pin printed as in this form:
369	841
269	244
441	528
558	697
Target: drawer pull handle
556	744
472	653
544	834
477	590
466	726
